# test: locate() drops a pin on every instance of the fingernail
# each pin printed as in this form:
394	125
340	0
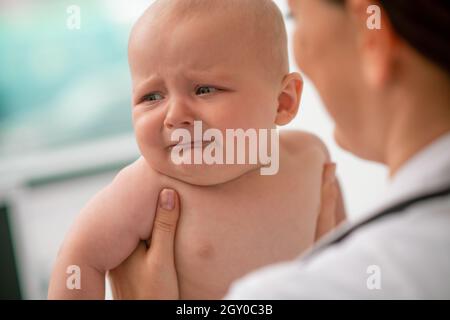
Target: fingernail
167	199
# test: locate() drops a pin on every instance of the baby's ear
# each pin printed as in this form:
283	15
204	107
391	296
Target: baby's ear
289	98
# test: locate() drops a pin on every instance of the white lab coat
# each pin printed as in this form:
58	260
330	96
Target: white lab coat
401	256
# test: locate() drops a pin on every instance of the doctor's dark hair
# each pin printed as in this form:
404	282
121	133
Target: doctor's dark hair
424	24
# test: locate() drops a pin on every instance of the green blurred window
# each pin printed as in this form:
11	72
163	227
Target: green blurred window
59	86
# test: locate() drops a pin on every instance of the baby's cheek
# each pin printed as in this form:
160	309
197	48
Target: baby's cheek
232	117
147	133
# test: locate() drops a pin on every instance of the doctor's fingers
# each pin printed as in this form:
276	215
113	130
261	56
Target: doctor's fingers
329	196
161	244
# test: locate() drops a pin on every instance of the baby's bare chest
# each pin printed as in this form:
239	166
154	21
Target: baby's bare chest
225	233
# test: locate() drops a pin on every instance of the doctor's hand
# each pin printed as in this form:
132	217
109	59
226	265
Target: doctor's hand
332	210
150	273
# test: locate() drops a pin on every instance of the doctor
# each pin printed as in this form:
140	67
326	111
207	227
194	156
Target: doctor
388	91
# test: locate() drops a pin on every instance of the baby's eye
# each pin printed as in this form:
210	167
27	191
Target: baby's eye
153	97
205	90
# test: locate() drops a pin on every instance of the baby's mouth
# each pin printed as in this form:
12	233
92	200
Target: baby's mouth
191	145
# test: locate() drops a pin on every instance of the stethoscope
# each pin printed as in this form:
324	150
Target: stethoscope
398	208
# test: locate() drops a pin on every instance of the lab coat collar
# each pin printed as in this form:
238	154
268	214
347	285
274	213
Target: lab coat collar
428	170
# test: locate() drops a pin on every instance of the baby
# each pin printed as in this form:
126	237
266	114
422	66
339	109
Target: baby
224	63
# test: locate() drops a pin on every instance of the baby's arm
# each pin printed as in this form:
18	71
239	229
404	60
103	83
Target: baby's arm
106	232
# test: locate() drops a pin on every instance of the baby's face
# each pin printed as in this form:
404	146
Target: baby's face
197	71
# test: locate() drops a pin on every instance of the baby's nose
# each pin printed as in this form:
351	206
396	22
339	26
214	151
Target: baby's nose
178	116
177	124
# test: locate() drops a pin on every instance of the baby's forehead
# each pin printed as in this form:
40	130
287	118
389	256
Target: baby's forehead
255	27
259	16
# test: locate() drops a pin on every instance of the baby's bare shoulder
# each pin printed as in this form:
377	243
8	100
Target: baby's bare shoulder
299	143
129	197
138	168
138	177
134	190
109	227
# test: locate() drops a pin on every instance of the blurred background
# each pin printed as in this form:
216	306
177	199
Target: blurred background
65	127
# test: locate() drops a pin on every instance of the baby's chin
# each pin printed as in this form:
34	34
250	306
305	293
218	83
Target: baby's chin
203	174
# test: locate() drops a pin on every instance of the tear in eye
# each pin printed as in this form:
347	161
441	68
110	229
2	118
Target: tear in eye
205	90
